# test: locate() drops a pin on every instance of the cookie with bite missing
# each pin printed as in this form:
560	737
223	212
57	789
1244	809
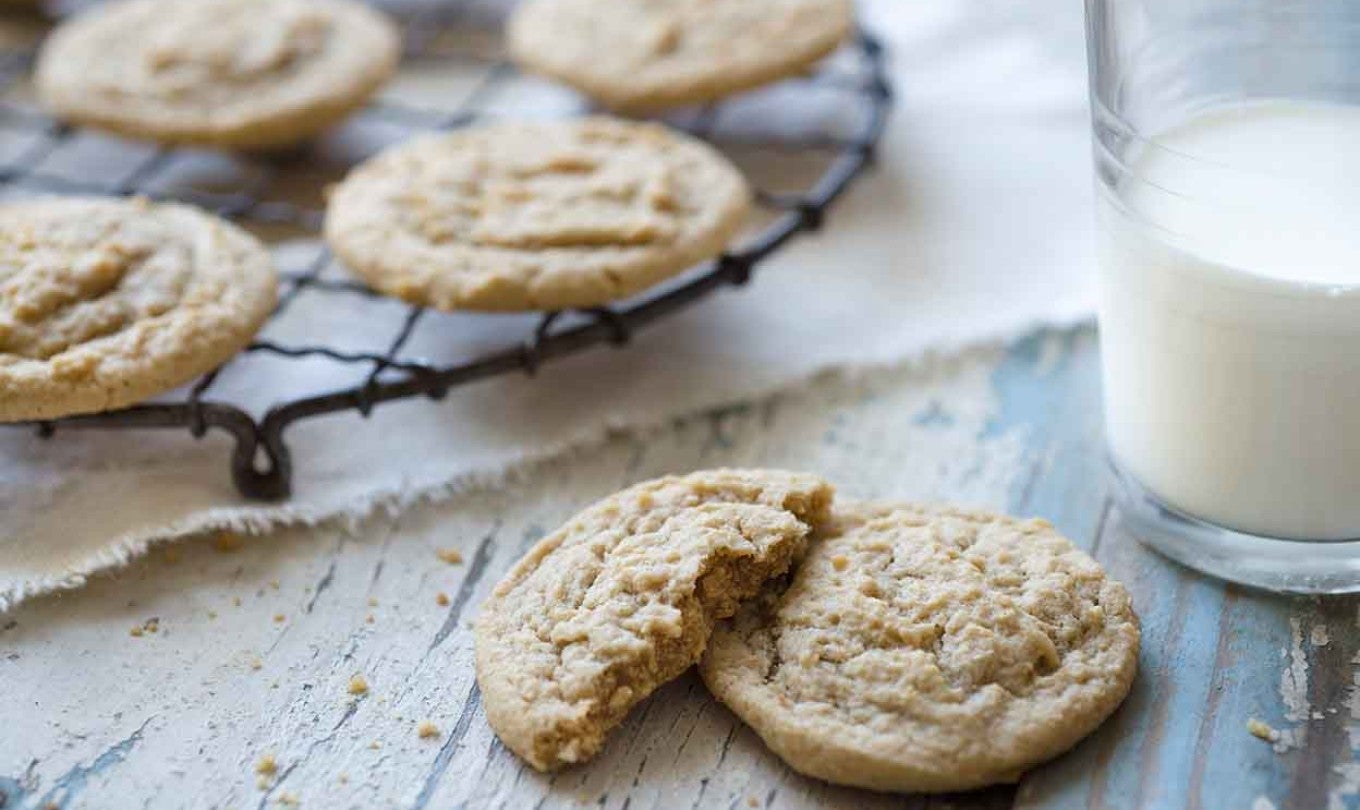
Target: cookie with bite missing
622	599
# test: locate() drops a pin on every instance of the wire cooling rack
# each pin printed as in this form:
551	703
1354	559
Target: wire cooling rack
261	465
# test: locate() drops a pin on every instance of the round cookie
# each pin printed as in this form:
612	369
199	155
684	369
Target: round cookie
647	55
928	649
106	302
250	74
548	215
623	597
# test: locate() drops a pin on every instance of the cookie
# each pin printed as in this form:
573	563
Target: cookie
249	74
920	649
623	597
104	302
647	55
522	216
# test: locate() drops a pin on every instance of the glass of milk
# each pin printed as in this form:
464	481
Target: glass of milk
1227	151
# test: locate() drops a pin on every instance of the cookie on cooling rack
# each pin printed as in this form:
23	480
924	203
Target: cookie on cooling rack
104	302
928	649
249	74
523	216
648	55
622	599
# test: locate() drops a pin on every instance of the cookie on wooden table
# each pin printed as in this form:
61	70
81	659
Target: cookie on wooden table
928	649
647	55
104	303
250	74
546	215
622	599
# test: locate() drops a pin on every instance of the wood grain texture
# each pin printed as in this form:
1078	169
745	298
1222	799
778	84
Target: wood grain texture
98	718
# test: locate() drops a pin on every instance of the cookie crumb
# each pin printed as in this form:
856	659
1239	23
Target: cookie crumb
266	765
839	562
1262	731
358	685
452	556
279	618
136	631
212	614
236	601
375	745
752	801
441	599
228	542
256	663
427	729
372	601
343	778
274	583
262	782
289	799
369	619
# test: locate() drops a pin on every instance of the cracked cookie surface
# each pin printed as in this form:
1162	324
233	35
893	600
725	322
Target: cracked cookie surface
232	73
104	302
549	215
622	599
646	55
928	649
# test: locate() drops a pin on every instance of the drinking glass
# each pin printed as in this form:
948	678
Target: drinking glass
1226	137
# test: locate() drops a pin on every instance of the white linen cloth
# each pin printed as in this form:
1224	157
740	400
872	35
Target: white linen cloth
974	226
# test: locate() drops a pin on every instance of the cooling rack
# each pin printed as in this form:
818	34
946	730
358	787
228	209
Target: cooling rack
261	464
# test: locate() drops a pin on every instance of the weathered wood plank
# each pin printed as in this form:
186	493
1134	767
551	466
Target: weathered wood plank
98	718
1214	656
186	716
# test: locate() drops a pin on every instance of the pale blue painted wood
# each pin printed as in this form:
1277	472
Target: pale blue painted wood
1213	655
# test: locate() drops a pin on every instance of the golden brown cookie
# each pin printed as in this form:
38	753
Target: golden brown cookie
104	303
623	597
646	55
251	74
928	649
548	215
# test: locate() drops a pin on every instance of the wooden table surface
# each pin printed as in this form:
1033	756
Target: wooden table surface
255	648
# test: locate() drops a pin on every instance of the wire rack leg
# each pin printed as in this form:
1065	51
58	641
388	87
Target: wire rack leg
261	466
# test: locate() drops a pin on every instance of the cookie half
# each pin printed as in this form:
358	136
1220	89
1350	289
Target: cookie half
647	55
623	597
920	649
251	74
104	302
548	215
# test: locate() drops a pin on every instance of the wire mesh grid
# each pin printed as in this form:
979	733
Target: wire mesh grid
261	465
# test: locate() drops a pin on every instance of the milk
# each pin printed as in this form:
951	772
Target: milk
1230	318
